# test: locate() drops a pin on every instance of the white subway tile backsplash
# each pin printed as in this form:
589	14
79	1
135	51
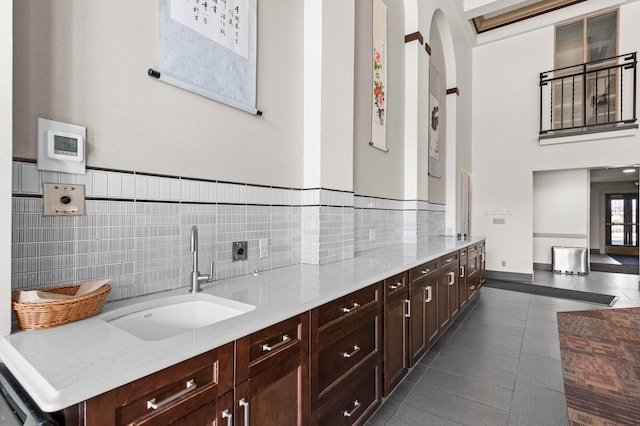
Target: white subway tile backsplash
128	186
143	245
141	189
153	188
100	184
30	179
114	180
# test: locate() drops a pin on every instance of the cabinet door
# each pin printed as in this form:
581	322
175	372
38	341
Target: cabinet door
473	273
276	396
481	261
418	334
462	281
395	358
443	301
272	375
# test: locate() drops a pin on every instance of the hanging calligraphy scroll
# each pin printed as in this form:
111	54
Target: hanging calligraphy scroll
434	123
209	47
379	98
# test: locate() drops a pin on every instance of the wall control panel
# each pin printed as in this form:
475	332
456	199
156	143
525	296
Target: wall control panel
63	199
61	147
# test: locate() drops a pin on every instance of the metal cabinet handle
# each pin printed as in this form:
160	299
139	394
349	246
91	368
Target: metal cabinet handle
472	287
354	306
407	308
285	339
462	271
452	278
428	289
190	387
449	260
349	413
355	350
425	271
395	286
244	404
227	415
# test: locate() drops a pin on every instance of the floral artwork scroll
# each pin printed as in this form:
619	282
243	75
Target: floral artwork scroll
379	87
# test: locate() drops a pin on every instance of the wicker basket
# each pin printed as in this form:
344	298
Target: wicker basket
38	316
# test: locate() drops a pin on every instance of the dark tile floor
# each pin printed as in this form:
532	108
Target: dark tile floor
499	363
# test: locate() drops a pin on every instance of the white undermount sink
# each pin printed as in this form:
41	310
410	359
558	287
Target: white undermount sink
166	317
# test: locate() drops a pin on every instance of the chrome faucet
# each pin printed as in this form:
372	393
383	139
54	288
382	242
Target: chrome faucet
196	276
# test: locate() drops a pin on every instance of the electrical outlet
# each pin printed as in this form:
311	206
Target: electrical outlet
372	234
504	263
498	221
239	250
264	247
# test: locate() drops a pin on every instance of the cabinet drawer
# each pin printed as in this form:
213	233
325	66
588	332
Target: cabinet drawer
348	306
347	353
446	261
423	271
353	402
177	390
264	348
395	285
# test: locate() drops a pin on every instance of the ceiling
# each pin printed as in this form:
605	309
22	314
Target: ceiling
614	174
487	15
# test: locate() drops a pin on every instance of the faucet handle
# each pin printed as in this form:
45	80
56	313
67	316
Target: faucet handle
210	272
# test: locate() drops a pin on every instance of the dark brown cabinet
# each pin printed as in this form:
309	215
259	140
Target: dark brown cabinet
327	366
192	392
447	295
462	280
346	337
396	330
272	375
423	321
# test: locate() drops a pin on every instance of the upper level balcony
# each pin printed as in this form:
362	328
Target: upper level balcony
587	98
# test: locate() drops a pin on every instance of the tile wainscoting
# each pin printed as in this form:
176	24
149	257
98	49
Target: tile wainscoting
136	230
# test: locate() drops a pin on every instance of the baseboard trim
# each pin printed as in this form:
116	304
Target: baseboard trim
509	276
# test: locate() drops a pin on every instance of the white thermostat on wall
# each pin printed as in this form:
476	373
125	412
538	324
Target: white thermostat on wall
61	147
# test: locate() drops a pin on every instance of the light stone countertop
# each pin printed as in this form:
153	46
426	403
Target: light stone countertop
62	366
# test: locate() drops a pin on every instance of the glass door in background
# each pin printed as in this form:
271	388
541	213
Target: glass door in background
621	226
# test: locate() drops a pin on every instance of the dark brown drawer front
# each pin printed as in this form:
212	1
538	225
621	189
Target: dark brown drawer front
423	271
348	306
395	285
354	402
346	353
446	261
264	348
189	384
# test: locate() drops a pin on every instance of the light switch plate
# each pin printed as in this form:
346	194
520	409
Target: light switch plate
63	199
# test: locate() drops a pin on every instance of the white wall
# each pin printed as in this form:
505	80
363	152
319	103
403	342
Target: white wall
505	139
561	202
6	86
86	62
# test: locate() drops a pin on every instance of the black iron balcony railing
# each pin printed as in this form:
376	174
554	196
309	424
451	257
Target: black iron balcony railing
598	94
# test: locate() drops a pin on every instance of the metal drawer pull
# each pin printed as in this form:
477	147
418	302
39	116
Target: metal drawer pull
452	278
408	308
462	271
473	287
191	386
355	305
243	403
349	413
449	260
395	286
227	415
425	271
355	350
428	299
285	339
